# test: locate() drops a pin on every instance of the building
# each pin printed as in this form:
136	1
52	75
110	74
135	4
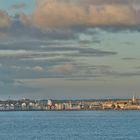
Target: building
59	106
134	100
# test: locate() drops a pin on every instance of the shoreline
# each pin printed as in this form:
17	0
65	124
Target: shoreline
69	110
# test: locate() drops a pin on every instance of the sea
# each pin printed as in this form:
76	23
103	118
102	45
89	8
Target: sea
70	125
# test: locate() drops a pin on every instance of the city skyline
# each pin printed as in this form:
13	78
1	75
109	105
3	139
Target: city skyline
69	49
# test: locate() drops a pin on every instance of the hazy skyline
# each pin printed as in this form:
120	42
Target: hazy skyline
69	48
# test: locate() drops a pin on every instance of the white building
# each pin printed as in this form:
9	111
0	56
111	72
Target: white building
50	102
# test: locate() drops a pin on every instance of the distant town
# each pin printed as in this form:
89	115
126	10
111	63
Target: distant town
69	105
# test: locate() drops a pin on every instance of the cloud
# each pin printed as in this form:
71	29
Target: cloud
62	14
24	19
14	53
62	69
27	68
38	69
128	58
39	49
5	20
106	70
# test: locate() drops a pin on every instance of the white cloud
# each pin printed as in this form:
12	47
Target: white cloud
38	69
14	53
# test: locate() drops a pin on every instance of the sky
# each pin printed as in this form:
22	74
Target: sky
69	49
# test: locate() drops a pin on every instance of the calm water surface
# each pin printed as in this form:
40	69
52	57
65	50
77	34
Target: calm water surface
70	125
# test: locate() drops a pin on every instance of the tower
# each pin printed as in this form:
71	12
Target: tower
50	102
133	99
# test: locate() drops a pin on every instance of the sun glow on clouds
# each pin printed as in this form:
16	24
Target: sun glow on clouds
61	14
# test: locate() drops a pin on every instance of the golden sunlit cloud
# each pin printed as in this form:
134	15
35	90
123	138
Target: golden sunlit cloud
61	14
